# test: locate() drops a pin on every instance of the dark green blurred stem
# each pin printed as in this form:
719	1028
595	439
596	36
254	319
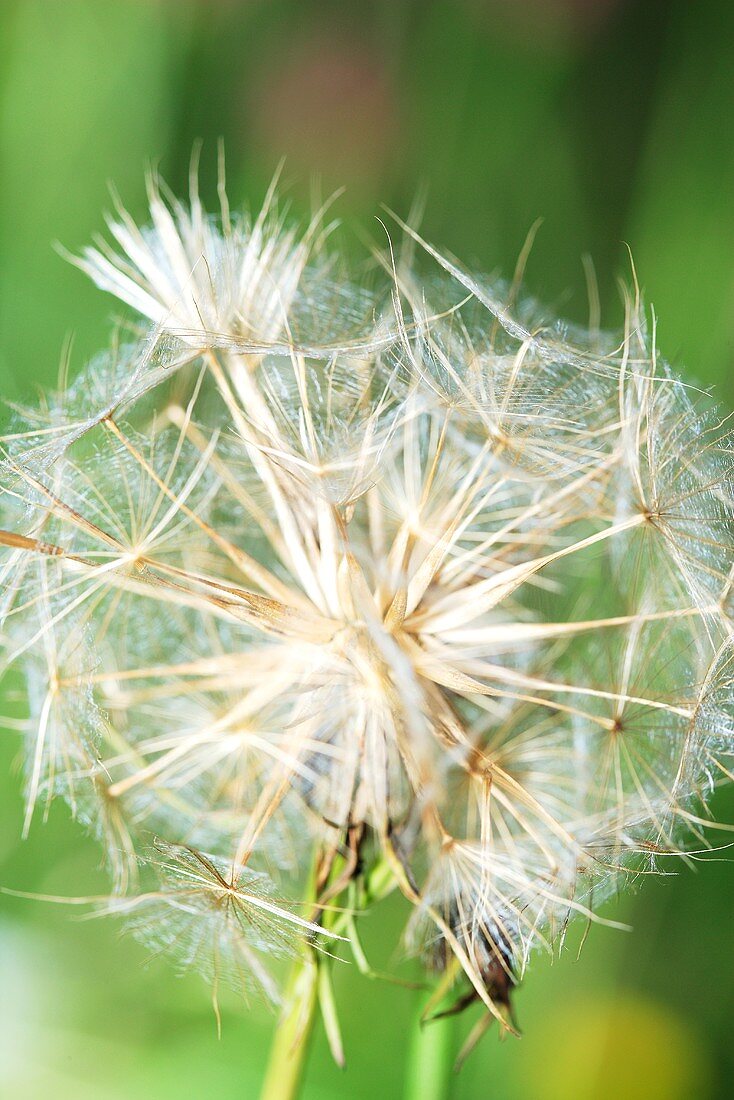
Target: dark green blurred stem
291	1042
430	1060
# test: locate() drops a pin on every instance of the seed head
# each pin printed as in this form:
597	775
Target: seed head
327	582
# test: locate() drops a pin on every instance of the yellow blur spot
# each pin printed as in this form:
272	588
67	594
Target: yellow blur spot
623	1048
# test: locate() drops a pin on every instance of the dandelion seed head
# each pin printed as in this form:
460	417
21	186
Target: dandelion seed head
305	562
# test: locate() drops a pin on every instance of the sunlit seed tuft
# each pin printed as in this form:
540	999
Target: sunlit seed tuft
343	591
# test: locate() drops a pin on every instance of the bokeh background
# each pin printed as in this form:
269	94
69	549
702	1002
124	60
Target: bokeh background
611	119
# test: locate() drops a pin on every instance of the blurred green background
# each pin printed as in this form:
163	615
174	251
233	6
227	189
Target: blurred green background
611	119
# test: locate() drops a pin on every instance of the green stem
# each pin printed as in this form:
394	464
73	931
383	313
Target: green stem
431	1060
291	1041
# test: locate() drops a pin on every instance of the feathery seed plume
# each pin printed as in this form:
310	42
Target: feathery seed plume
342	591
